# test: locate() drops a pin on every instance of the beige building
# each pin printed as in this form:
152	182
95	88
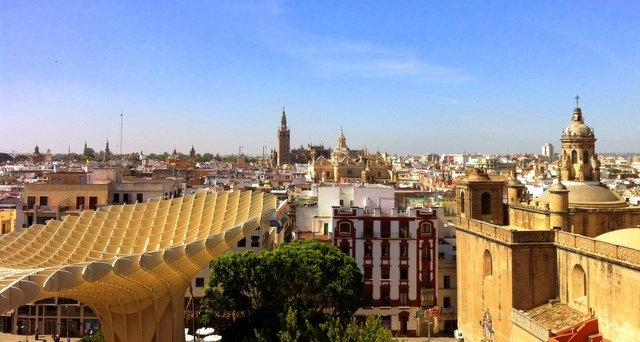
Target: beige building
7	220
347	166
63	192
556	267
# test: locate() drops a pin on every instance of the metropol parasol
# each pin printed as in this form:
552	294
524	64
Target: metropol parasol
130	263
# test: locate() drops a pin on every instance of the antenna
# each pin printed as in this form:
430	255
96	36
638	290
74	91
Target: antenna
121	122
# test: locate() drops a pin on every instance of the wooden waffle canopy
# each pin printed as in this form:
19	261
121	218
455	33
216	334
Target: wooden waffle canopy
130	263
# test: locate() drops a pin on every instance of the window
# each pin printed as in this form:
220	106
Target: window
368	250
368	296
404	274
139	197
386	322
385	251
487	267
368	273
368	229
345	228
486	203
404	229
461	202
80	202
404	297
578	283
384	297
93	202
385	229
125	198
199	282
447	282
425	228
345	248
243	242
116	198
341	203
447	302
425	253
82	180
426	296
255	241
31	201
385	272
404	251
44	200
585	156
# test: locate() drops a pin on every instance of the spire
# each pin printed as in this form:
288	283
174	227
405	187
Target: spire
283	120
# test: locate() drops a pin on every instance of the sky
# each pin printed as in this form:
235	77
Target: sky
403	77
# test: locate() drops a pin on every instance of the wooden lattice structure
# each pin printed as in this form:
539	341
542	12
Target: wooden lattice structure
130	263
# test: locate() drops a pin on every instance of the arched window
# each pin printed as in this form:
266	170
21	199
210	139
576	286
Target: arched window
345	228
585	156
461	201
487	265
574	157
578	282
486	203
425	228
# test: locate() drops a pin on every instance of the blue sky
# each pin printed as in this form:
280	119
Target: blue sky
398	76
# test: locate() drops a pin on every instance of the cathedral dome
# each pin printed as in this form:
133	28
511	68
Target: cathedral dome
586	195
577	126
629	237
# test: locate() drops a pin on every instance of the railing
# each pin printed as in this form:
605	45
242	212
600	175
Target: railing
530	325
506	234
588	245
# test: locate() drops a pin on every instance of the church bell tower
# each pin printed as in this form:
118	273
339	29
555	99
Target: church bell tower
284	141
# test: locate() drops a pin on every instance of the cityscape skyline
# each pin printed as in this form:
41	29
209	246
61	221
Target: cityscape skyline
422	77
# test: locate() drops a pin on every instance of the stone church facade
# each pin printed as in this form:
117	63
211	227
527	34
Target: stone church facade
563	265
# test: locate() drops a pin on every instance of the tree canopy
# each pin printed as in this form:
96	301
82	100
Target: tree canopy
250	296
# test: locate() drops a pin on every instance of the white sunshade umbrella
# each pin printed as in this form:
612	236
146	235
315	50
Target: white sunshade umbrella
188	338
205	331
213	338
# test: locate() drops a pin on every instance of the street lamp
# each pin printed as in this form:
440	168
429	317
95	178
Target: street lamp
67	324
429	327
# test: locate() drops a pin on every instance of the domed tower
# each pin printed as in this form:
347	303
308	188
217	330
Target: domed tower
558	206
578	161
367	174
479	197
516	191
341	150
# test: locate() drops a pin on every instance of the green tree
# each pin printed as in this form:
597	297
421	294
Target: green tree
98	336
250	295
89	153
5	157
20	158
371	331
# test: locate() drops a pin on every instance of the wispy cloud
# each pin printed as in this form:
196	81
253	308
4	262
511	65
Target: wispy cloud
340	58
443	99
